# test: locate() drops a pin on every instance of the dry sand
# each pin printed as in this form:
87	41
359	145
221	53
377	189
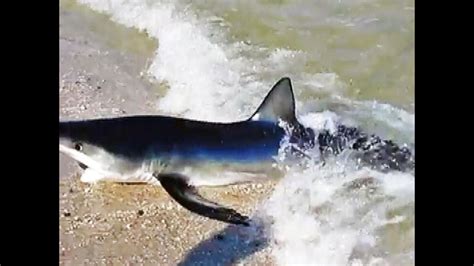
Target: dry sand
114	224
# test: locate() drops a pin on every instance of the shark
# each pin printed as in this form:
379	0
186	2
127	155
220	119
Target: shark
181	154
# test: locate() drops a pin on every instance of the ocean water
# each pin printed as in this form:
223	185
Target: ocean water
350	61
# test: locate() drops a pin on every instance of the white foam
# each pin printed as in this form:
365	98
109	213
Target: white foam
317	222
208	77
324	120
382	119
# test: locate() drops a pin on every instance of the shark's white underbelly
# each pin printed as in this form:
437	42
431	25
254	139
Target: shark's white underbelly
105	168
198	176
125	172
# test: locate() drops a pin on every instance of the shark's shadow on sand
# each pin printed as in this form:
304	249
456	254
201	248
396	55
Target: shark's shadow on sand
229	246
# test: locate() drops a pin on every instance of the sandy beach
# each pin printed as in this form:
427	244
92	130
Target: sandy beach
114	224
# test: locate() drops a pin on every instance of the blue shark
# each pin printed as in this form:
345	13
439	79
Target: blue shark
181	154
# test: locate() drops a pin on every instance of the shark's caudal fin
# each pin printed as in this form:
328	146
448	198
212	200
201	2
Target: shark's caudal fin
278	104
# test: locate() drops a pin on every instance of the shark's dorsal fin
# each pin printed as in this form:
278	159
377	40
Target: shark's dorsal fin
278	104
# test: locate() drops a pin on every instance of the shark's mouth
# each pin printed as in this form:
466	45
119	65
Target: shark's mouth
82	158
94	171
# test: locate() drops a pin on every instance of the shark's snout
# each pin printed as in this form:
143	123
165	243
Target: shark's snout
75	153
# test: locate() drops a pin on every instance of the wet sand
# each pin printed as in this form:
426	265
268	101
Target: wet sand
115	224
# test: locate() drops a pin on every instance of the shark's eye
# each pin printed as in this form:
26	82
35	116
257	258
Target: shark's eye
78	147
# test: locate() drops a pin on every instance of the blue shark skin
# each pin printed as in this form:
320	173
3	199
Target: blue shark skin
141	138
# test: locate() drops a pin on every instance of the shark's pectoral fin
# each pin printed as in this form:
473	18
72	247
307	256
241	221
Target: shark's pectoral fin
187	196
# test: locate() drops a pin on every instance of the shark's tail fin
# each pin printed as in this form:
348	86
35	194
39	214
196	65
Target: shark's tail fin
279	104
